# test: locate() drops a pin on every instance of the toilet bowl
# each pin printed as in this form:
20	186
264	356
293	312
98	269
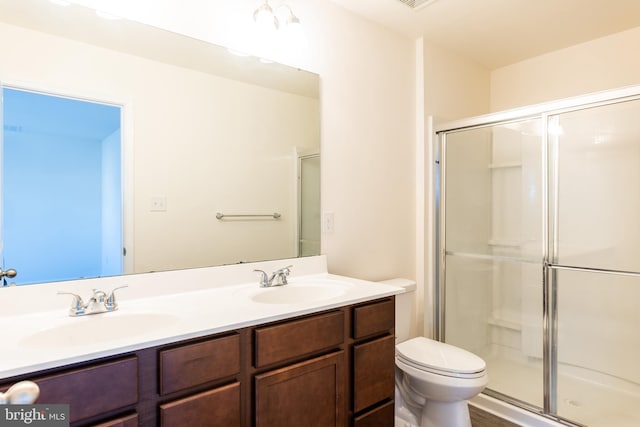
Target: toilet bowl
434	380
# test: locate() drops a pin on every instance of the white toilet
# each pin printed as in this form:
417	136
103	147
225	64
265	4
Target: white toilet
434	380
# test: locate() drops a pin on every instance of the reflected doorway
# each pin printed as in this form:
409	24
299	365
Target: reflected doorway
61	202
308	204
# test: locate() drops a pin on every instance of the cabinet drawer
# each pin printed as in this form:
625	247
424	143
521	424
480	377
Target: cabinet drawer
373	318
196	364
92	390
297	338
381	416
127	421
374	372
219	407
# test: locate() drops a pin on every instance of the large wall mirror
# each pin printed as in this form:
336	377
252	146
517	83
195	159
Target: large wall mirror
202	158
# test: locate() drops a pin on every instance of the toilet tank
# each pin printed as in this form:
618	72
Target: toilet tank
405	309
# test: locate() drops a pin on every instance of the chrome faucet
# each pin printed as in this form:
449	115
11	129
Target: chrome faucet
99	302
277	278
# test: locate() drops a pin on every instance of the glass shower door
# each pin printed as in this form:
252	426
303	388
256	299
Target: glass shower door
539	265
597	268
491	238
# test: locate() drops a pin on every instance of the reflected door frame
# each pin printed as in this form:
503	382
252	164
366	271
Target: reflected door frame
300	156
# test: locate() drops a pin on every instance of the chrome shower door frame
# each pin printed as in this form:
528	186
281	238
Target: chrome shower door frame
546	113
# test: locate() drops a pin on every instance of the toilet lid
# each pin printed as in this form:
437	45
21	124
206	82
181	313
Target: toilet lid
438	356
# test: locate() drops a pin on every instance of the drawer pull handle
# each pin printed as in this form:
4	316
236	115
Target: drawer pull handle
22	393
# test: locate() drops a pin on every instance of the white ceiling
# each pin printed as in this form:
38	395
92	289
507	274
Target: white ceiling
496	33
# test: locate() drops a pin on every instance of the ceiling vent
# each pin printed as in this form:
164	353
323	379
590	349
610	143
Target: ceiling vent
417	4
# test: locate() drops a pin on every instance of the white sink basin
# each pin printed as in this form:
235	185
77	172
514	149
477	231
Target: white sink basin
85	330
298	293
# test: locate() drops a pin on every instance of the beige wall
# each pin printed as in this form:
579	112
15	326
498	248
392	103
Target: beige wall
455	87
605	63
368	132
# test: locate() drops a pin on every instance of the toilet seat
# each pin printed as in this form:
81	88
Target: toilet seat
439	358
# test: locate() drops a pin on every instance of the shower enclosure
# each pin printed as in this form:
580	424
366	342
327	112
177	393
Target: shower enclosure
539	254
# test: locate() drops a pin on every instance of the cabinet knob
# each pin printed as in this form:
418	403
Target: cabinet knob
22	393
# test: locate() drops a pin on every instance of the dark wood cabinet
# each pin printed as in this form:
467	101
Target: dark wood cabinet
309	394
190	365
92	390
374	319
373	374
373	362
125	421
329	369
381	416
297	338
219	407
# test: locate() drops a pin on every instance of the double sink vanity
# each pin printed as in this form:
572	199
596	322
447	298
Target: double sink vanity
209	347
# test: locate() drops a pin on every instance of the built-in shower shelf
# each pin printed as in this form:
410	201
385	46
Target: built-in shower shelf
504	323
505	165
505	243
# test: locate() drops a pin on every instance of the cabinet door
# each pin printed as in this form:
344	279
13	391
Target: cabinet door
309	394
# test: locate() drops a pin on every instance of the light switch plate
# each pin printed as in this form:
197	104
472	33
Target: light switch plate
158	204
328	222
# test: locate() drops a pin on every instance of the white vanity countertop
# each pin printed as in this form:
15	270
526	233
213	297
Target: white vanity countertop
46	339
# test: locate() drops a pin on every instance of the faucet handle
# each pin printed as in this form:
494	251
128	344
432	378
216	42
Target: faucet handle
77	305
285	270
98	296
282	274
110	303
264	278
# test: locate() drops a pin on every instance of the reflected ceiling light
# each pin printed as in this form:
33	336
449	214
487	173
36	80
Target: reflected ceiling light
285	14
265	18
238	52
270	20
293	29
